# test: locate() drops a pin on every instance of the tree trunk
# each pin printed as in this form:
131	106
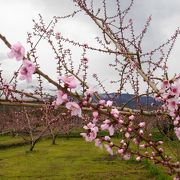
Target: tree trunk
54	139
32	146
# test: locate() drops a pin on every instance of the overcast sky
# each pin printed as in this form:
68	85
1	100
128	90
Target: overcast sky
16	20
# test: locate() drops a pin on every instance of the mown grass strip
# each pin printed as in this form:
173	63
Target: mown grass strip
71	158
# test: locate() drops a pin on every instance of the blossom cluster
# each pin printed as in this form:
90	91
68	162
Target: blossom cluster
127	126
27	68
170	95
62	98
109	124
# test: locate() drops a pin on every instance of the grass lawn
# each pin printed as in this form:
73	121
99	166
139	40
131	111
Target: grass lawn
71	158
8	140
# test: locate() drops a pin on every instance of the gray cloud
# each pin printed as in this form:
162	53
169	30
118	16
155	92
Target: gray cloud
165	14
3	56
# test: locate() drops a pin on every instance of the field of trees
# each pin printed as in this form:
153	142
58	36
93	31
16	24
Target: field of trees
70	158
66	156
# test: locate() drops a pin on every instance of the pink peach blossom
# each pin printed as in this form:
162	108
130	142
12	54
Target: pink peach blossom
172	104
127	156
141	132
115	112
58	35
108	126
177	131
108	149
74	108
120	151
98	143
131	117
165	84
135	140
95	114
107	138
175	90
17	51
61	97
105	124
138	158
142	124
26	71
176	178
92	132
142	145
69	81
109	103
111	130
127	134
102	102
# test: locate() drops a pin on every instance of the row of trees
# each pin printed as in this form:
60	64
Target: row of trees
32	123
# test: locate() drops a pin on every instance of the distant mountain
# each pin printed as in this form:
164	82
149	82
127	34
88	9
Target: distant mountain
130	99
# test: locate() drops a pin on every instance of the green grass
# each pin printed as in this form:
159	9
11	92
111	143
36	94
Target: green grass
155	171
72	158
9	140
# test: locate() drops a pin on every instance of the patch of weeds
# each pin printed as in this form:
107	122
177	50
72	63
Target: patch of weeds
156	171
